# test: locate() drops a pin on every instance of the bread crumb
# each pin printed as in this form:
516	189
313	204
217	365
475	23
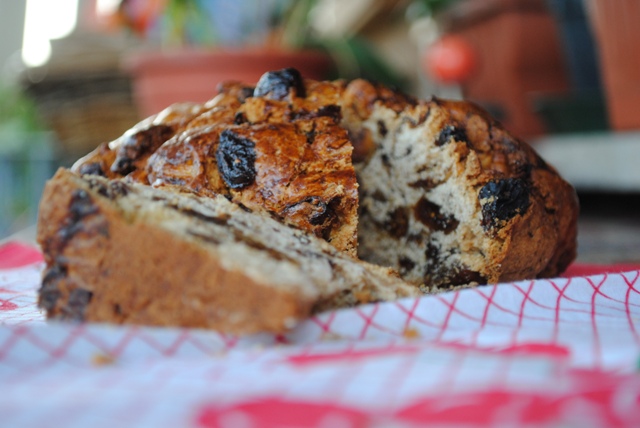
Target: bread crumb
331	336
411	333
102	360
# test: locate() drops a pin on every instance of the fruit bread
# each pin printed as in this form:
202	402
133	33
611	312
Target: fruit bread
444	194
128	253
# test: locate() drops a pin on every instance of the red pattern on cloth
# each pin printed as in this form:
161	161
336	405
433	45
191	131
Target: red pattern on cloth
16	255
540	353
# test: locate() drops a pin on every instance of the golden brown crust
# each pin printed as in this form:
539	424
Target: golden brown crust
294	180
298	158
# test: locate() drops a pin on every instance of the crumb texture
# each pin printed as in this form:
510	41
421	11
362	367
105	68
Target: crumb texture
449	198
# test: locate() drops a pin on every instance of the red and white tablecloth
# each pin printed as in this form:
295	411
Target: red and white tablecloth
560	352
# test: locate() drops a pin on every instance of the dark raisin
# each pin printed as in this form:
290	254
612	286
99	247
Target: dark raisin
236	159
333	111
93	168
80	297
49	292
432	253
385	161
77	303
311	136
239	118
53	275
382	128
406	264
245	93
415	238
466	276
135	145
377	195
81	205
100	187
277	84
429	214
48	299
502	200
397	223
321	213
123	165
118	188
316	210
449	132
425	184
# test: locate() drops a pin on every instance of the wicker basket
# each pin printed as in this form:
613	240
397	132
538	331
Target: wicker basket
85	110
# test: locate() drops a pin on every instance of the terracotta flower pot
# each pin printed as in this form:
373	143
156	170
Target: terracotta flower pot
519	57
618	36
162	78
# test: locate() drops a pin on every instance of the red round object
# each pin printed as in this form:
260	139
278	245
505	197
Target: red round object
450	60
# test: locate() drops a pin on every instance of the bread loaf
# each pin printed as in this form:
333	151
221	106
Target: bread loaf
444	194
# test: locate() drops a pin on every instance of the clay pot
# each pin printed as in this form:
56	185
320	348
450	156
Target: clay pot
617	34
519	55
163	78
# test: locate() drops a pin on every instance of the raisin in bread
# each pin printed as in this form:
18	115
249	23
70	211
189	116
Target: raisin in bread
128	253
258	147
446	195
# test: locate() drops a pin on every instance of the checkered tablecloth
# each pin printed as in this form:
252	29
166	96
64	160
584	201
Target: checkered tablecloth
561	352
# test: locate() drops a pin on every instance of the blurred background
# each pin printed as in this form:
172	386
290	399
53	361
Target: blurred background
562	74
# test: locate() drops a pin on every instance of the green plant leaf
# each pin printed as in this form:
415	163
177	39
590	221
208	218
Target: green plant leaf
355	58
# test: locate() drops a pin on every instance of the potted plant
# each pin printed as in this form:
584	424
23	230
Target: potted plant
517	57
191	46
27	159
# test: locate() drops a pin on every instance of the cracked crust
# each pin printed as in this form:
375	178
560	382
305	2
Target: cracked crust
297	160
